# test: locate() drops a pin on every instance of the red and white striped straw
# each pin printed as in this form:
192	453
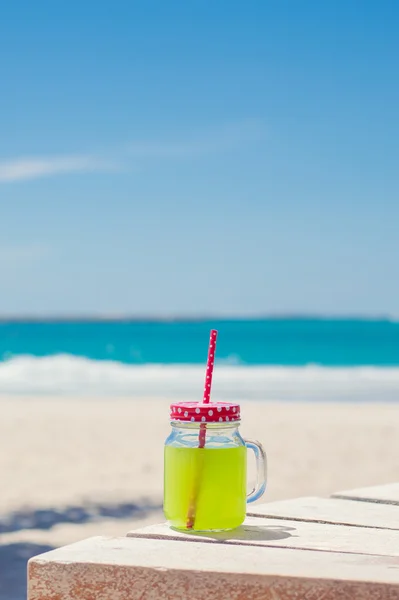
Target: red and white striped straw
209	366
202	432
208	383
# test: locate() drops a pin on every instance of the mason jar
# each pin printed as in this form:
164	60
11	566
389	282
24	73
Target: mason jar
205	473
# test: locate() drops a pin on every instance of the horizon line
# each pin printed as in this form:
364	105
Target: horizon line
182	318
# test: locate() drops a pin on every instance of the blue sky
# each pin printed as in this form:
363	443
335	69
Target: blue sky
199	157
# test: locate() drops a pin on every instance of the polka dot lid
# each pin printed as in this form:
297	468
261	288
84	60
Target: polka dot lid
197	412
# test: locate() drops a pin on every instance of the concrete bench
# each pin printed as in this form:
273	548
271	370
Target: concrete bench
303	549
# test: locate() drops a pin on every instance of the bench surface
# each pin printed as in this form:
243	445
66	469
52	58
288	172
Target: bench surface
307	549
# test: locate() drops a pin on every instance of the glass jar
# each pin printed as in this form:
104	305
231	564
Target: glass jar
205	476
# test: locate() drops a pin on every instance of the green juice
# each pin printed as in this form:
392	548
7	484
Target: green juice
211	482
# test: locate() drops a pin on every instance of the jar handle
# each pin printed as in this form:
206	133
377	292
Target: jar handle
261	470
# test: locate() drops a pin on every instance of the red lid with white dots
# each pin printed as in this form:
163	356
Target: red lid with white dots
211	412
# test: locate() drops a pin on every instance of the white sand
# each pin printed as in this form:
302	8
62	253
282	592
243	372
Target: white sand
59	453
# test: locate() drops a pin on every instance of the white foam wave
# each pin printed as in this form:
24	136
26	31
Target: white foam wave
70	375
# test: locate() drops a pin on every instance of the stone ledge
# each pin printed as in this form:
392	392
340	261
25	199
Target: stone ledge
300	535
144	569
331	510
384	494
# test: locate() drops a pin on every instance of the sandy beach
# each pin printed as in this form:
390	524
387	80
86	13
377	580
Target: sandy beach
72	468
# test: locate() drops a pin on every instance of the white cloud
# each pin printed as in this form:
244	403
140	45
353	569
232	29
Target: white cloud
232	136
32	168
216	140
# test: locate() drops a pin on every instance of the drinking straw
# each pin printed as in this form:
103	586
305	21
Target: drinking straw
202	433
208	382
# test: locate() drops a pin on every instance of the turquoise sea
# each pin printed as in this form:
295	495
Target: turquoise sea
262	359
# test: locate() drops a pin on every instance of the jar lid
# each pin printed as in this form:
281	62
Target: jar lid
198	412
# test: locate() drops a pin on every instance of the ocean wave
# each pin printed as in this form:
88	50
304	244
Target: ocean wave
71	375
